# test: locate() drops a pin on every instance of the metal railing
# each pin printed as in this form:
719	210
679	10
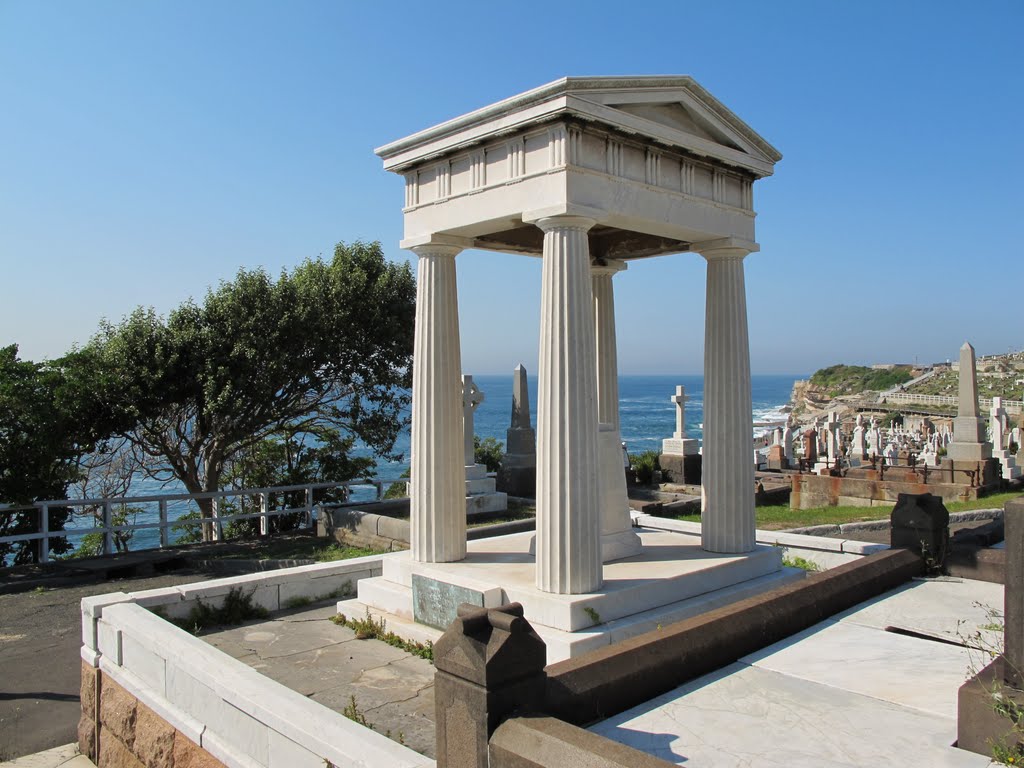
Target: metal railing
102	510
910	397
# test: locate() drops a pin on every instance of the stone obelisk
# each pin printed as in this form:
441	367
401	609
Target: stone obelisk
518	475
969	442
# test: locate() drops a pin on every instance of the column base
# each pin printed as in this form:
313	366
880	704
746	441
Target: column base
615	546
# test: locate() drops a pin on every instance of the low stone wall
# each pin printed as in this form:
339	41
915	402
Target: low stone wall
810	491
116	729
359	528
154	695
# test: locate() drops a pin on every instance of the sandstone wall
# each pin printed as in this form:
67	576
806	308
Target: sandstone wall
116	730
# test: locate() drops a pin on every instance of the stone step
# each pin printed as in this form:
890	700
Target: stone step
386	595
563	645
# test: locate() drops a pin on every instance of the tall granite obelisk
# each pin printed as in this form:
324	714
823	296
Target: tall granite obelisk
518	474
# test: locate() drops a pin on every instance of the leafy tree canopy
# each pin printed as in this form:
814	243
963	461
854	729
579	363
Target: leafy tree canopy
50	418
324	348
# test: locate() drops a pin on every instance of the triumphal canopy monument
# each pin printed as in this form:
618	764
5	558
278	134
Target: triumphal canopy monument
587	174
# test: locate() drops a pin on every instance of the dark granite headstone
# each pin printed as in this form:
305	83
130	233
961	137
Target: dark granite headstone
920	522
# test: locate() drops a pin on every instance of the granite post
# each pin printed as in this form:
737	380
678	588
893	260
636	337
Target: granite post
984	701
490	663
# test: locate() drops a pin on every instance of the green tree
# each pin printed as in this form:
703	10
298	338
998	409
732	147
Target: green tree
318	456
489	452
51	417
327	346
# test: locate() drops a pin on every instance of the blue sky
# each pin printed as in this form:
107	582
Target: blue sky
148	150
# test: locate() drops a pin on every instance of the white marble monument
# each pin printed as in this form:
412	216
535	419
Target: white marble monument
679	444
588	174
998	435
482	495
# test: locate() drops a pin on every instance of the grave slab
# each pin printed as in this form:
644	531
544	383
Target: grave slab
744	715
920	674
949	609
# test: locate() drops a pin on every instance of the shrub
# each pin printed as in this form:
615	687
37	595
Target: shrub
488	452
647	467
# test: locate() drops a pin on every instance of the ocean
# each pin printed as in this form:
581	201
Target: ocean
646	413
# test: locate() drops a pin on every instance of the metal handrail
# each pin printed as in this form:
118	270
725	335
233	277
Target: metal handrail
164	524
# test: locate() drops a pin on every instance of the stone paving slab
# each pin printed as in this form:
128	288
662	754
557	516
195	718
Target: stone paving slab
946	608
65	756
843	693
908	671
308	653
746	716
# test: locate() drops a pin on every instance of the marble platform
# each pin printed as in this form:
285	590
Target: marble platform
671	579
849	691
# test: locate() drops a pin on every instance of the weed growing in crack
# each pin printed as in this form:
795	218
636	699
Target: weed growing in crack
238	607
367	628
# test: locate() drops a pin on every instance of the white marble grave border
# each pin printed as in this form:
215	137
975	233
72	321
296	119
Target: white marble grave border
240	717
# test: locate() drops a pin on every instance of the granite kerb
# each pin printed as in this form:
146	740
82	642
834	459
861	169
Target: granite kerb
233	712
612	679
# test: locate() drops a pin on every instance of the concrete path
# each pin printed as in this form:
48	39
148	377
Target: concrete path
392	689
65	756
40	666
849	691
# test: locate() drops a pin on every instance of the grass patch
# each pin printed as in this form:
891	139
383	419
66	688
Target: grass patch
992	501
369	629
781	517
314	548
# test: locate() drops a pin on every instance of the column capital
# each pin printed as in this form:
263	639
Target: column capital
564	210
552	223
436	245
607	267
725	248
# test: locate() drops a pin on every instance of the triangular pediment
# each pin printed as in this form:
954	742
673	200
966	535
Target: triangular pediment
670	110
678	117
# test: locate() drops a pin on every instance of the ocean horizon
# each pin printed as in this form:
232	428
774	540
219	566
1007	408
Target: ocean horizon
646	415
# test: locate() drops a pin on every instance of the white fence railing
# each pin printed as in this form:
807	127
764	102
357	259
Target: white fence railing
102	510
910	397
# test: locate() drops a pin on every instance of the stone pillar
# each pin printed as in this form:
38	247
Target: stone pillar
969	442
568	543
490	663
727	517
437	479
1013	595
618	539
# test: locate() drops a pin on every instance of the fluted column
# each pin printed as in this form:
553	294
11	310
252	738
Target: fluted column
568	545
437	472
727	516
618	539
